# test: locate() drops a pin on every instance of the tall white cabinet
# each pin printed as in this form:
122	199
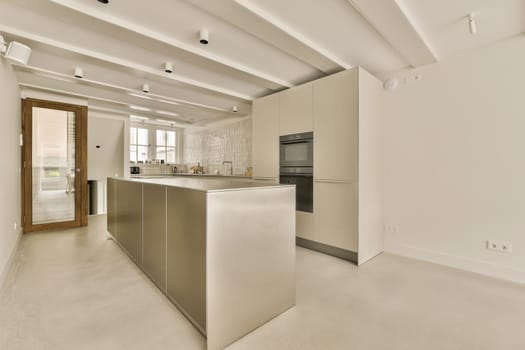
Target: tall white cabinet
345	112
265	138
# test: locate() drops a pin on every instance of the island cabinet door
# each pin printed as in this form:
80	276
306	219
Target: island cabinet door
129	218
110	205
154	234
186	252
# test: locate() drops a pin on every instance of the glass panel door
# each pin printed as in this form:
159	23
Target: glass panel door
53	165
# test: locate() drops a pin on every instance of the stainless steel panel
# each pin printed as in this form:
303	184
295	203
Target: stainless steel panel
186	252
327	249
110	206
129	218
154	234
250	260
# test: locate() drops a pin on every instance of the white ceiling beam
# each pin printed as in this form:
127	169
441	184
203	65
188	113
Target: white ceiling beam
392	20
149	96
117	105
123	63
160	37
134	104
266	27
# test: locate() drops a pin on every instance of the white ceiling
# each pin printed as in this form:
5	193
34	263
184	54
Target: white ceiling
256	46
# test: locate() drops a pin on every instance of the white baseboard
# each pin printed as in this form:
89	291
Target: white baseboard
9	263
458	262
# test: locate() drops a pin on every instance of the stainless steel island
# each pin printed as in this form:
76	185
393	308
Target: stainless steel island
223	251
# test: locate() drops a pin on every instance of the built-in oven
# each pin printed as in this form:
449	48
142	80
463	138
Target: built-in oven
297	150
296	167
302	178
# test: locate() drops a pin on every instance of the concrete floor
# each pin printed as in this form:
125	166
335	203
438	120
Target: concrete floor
76	290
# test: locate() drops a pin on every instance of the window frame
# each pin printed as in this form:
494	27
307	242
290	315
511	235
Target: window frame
152	140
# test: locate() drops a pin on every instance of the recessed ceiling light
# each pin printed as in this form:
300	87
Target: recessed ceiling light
204	36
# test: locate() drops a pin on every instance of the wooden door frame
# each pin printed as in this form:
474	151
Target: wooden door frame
80	162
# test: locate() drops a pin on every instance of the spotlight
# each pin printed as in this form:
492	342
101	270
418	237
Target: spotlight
145	88
104	1
15	51
79	73
234	109
204	36
472	23
168	67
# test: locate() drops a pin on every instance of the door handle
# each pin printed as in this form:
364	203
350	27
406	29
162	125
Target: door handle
77	170
329	181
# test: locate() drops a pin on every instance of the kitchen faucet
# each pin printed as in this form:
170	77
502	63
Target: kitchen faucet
231	166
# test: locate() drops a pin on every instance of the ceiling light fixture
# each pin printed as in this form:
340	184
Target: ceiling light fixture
145	88
104	1
79	73
138	108
167	113
168	67
472	23
204	36
15	51
234	109
138	117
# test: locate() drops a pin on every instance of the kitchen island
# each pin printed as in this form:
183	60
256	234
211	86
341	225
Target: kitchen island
223	251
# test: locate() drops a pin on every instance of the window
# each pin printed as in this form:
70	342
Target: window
138	144
166	145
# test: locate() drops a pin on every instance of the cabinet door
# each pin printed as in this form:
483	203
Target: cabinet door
335	209
265	138
129	218
154	237
295	110
336	126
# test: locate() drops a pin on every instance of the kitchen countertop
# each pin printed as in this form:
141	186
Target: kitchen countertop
142	176
201	183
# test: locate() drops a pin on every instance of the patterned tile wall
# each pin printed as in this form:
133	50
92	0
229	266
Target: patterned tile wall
212	146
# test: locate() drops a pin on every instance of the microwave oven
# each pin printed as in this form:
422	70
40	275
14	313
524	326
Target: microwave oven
296	150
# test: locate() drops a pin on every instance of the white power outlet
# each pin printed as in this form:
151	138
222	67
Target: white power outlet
497	246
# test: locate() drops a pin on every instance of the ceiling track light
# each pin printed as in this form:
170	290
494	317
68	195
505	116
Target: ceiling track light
204	36
472	23
15	51
168	67
145	88
79	73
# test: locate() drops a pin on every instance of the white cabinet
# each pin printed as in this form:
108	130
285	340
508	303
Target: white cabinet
265	138
335	212
345	112
335	106
295	110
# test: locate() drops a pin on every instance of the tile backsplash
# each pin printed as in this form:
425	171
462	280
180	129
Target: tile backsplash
212	146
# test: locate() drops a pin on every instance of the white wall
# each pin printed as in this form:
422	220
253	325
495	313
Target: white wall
10	212
107	132
455	161
111	158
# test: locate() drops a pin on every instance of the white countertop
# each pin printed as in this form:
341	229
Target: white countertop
206	184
